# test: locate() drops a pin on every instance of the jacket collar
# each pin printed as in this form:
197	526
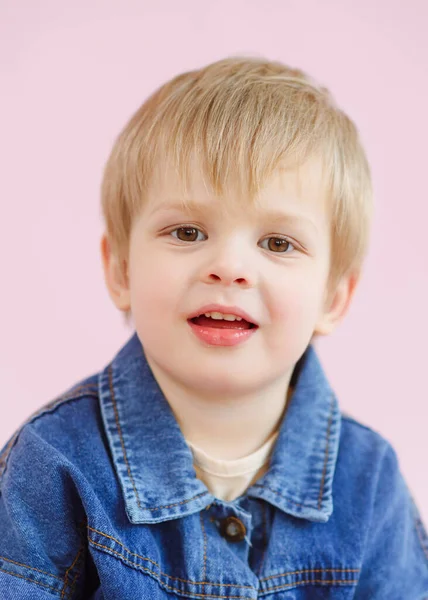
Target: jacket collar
155	465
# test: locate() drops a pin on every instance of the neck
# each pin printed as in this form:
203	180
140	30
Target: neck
226	427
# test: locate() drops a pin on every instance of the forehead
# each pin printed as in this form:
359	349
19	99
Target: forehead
296	190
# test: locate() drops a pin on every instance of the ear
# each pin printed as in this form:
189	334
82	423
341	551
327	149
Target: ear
337	304
115	276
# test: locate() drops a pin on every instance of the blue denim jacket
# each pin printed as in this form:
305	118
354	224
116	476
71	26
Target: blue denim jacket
99	500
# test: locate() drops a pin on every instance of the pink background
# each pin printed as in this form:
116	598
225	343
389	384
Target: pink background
73	72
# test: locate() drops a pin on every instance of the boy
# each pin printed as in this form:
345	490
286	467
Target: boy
210	459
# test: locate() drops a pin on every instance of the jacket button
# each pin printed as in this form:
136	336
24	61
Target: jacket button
233	529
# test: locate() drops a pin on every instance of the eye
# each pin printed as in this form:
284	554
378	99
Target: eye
186	233
279	245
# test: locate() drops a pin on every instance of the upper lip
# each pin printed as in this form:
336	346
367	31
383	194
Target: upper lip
225	310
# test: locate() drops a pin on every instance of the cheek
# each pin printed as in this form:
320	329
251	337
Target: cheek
296	297
156	288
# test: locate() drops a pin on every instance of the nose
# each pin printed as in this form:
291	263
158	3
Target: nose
231	265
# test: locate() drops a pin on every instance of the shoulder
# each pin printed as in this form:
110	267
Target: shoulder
371	482
367	461
54	423
43	490
356	435
369	469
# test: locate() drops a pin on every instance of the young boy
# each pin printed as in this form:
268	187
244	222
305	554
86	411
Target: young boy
210	458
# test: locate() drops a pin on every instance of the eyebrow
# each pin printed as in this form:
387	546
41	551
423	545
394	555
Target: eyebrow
271	216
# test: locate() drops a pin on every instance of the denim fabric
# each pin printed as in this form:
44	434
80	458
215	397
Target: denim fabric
99	500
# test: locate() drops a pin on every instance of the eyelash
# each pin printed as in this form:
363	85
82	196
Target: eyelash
284	239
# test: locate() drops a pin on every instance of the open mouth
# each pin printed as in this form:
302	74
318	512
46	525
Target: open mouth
204	321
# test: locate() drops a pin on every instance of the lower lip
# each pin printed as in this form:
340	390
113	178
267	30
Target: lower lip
221	337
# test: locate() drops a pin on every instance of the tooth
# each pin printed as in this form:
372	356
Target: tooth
220	316
231	318
216	315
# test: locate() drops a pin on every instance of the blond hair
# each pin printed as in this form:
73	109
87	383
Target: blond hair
243	118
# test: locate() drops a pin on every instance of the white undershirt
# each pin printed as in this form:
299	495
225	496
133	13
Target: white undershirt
228	479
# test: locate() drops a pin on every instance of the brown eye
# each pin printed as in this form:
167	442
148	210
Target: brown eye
279	245
186	234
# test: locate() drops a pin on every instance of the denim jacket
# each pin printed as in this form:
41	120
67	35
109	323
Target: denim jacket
99	500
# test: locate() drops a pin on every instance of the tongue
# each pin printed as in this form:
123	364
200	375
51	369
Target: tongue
208	322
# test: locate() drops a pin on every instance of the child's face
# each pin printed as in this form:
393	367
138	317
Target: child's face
231	260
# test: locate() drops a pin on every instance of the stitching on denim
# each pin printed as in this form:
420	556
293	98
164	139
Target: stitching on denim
46	407
116	416
178	579
119	429
261	485
82	528
310	582
286	585
32	568
338	570
73	584
423	539
326	453
310	571
67	572
62	579
177	503
45	585
123	546
265	540
204	533
81	391
245	587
